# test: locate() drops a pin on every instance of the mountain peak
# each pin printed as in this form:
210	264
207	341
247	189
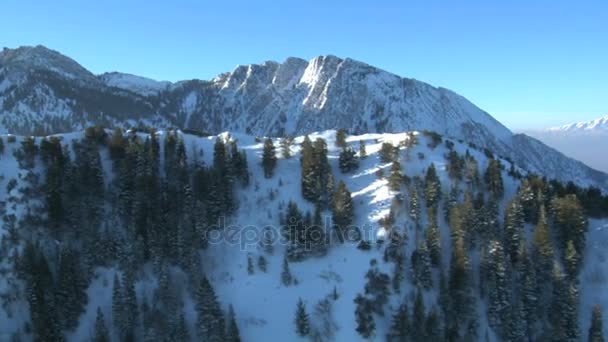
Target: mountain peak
137	84
596	125
39	57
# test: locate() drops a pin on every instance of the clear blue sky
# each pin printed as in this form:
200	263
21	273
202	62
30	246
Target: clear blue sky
529	63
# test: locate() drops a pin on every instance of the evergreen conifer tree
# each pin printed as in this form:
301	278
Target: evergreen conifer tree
596	330
432	187
433	238
366	326
286	277
396	177
419	316
341	138
232	329
101	331
286	143
493	178
269	158
210	322
343	211
348	160
514	226
302	320
400	326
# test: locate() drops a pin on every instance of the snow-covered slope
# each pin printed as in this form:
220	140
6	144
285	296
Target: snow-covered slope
264	307
43	91
137	84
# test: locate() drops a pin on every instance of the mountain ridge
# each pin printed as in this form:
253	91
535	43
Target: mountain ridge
596	125
270	99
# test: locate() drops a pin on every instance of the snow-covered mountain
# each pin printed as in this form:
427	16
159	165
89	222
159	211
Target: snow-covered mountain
264	306
137	84
599	125
44	91
583	141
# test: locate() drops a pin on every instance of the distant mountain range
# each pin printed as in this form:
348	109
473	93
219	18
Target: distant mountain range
43	91
586	141
599	126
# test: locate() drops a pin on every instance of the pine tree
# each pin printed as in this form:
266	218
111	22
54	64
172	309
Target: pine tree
286	143
459	291
514	323
572	260
421	262
498	297
455	166
219	155
317	177
325	179
269	158
309	174
514	226
493	178
101	331
181	333
118	307
570	223
528	293
543	248
301	320
400	326
596	330
130	314
210	323
419	316
286	277
232	329
396	177
294	230
433	238
377	288
71	289
563	314
366	326
432	328
432	187
388	152
39	280
343	211
398	273
348	160
415	214
341	138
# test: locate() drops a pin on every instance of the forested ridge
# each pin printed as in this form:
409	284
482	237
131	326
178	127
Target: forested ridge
468	247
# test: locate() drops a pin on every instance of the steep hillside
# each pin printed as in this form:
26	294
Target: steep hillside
42	91
156	215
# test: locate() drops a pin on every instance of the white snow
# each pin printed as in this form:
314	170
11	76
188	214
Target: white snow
137	84
264	307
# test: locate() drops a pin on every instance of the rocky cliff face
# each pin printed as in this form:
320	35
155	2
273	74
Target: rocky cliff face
44	91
